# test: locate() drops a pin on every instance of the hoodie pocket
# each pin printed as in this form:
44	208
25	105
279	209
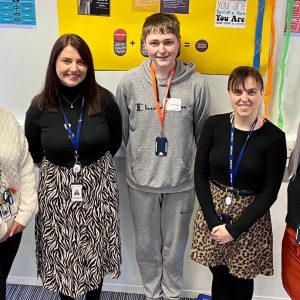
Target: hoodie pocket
159	171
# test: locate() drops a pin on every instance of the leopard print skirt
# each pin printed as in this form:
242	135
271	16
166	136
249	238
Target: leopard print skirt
247	256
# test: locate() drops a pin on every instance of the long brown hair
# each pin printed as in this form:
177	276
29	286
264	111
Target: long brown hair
92	91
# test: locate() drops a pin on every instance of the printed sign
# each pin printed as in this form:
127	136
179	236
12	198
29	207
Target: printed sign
231	13
19	13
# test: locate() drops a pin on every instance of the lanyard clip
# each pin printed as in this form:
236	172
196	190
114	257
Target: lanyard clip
77	164
76	156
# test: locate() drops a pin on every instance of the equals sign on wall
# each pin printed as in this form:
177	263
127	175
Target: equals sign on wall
186	44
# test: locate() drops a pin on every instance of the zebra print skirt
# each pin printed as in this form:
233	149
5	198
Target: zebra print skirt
77	243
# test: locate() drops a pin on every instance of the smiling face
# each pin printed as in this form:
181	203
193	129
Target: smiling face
162	50
246	98
70	68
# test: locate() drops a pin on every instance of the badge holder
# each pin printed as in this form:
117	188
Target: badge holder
225	216
76	187
5	202
228	199
161	146
5	212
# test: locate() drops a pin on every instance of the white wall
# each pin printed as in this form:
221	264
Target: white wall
23	59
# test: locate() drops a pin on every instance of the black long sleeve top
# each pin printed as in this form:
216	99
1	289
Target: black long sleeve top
47	136
261	168
293	214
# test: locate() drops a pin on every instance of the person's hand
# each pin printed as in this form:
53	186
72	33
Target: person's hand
221	235
16	228
5	237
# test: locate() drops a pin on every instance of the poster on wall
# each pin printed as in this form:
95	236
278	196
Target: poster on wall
145	5
14	14
295	22
231	13
94	7
115	37
174	6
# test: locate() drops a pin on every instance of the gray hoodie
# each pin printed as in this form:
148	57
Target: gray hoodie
146	171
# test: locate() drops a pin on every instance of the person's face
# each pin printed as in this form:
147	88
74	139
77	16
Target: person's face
162	49
245	101
71	69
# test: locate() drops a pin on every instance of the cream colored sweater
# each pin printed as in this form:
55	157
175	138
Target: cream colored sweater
17	171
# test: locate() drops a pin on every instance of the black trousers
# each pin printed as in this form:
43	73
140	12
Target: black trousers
8	251
228	287
91	295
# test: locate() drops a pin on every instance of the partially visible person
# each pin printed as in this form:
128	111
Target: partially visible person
18	199
164	103
239	168
291	238
73	128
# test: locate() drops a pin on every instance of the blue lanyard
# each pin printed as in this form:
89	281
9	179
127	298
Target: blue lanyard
233	172
74	139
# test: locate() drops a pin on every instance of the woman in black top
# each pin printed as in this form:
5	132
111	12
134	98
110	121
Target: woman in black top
239	167
73	127
291	238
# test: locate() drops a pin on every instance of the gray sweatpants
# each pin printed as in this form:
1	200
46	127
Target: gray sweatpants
161	223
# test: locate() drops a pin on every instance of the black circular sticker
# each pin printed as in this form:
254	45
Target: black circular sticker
201	45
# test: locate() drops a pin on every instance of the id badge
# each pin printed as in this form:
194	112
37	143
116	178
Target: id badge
76	190
173	104
161	146
298	234
5	212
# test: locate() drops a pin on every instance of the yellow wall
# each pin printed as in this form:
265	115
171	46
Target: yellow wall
227	47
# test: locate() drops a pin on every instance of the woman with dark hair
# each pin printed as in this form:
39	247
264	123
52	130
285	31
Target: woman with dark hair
73	127
239	167
291	238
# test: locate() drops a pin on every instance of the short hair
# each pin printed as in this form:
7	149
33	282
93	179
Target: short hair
161	23
240	74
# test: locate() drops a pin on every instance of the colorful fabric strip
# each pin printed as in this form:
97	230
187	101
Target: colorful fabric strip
269	84
258	34
284	57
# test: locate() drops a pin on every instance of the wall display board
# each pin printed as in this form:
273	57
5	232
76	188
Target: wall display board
217	35
295	21
17	13
24	55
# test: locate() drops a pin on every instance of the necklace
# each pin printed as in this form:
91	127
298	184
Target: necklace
243	127
71	103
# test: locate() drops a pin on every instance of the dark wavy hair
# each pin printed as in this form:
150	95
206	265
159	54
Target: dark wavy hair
92	91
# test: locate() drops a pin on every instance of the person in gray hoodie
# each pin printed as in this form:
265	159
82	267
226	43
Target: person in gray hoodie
164	103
